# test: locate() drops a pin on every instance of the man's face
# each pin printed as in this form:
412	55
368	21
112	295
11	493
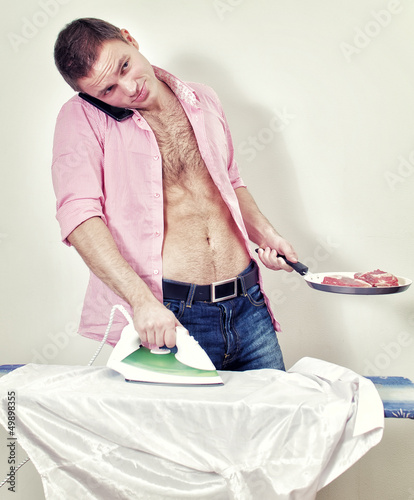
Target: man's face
122	76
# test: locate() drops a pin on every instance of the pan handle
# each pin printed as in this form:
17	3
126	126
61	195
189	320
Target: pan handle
297	266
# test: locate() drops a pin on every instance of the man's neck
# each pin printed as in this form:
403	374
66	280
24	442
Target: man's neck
163	104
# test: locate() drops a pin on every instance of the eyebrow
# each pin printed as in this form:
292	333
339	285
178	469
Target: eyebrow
121	62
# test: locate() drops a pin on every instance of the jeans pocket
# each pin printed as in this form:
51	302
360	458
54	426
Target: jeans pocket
177	307
255	296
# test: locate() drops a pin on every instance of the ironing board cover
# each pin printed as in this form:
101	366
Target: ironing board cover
263	434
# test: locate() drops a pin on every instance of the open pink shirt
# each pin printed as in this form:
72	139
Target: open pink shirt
113	170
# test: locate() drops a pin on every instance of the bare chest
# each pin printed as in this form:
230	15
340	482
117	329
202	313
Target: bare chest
178	147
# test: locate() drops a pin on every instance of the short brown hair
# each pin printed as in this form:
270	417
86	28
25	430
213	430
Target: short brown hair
77	47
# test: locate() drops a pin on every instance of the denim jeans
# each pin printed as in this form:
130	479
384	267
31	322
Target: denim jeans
237	334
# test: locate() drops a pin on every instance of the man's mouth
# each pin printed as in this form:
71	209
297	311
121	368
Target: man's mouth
142	94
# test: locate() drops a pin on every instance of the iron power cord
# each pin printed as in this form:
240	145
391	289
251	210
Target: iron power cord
92	360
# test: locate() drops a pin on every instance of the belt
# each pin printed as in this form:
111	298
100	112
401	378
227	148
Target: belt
215	292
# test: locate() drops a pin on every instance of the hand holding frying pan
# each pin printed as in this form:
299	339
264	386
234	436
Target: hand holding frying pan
276	259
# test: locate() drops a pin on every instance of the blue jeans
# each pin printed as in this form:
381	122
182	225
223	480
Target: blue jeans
237	334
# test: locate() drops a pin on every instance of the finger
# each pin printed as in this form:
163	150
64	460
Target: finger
268	257
160	335
292	256
151	336
262	256
273	256
289	253
170	337
275	262
165	330
284	265
142	335
265	255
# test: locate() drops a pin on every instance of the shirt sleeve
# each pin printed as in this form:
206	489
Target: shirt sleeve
77	166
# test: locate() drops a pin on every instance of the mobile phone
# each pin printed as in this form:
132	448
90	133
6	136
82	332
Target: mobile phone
119	114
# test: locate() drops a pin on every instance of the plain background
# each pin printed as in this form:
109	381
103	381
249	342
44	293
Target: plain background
318	94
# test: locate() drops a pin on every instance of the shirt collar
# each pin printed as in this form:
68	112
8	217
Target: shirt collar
183	91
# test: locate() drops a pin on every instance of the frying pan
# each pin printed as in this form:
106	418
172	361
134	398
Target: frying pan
315	281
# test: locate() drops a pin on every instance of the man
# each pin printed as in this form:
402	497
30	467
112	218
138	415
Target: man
156	207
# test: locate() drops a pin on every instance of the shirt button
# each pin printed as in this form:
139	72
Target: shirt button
156	157
157	195
156	271
157	233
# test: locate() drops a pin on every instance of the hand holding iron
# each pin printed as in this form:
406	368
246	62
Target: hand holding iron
155	324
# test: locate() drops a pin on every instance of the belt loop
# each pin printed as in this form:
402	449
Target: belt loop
243	285
190	296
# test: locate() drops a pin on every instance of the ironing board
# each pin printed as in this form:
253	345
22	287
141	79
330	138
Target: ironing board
276	434
397	393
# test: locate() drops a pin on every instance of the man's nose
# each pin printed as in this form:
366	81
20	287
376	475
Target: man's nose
129	87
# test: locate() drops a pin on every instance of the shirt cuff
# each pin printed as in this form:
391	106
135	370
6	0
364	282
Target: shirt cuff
73	213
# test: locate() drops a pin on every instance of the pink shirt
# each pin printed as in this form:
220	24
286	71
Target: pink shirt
113	170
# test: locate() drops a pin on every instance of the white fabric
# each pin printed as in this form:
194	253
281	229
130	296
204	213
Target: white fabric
264	434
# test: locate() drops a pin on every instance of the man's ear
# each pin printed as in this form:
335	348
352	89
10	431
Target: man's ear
130	39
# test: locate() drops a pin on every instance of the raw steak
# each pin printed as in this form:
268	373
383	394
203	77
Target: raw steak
378	278
344	281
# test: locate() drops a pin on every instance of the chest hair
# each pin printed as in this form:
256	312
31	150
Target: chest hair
178	145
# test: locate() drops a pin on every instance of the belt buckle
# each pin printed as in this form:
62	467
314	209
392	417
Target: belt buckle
224	282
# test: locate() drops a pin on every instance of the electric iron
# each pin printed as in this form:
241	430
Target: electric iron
190	365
